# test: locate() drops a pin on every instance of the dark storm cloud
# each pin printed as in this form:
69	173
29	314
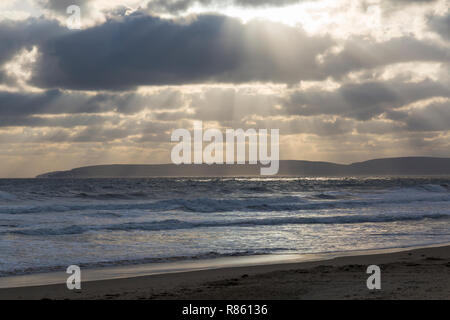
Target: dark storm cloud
16	104
63	121
52	102
209	49
434	117
359	54
362	101
441	25
16	35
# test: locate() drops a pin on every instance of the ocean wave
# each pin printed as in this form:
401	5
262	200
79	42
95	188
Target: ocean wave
127	262
211	205
127	221
433	188
113	196
51	232
175	224
7	196
194	205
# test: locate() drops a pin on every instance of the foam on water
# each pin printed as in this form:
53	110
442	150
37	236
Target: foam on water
6	196
48	224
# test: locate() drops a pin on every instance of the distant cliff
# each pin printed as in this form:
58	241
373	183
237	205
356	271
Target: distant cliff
388	166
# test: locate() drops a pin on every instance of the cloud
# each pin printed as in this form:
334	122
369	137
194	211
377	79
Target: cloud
359	54
66	121
362	101
408	2
175	6
18	105
342	106
211	48
441	25
319	126
224	105
60	6
434	117
52	102
17	35
231	107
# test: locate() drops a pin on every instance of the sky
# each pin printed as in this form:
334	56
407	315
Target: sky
343	80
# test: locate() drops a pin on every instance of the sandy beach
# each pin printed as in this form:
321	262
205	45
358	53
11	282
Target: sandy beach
410	274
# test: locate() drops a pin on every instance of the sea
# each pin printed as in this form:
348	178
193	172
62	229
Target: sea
49	224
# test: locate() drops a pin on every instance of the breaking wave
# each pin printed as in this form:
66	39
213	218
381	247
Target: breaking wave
251	204
174	224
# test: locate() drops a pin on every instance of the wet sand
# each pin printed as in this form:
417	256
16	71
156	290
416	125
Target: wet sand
413	274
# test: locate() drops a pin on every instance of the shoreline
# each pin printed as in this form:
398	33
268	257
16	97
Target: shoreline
236	278
134	270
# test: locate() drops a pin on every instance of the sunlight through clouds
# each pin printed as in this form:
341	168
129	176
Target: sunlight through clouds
331	75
